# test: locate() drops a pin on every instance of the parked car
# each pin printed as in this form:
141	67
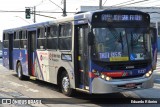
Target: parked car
0	53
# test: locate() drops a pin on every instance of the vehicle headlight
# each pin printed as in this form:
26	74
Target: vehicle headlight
107	78
148	74
102	76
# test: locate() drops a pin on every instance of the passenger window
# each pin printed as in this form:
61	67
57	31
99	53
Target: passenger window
5	40
52	37
16	41
41	33
65	38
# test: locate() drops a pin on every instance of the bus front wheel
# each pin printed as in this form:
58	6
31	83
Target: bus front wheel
65	84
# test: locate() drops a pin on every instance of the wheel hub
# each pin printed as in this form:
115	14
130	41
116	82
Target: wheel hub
19	71
65	84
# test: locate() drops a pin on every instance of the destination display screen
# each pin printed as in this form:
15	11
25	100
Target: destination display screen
119	17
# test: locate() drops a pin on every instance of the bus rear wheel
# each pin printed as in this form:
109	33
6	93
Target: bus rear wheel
65	84
19	71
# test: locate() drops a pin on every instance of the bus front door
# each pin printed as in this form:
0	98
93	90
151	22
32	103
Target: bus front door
31	51
11	51
82	63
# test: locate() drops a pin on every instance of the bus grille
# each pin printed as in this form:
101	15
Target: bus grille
127	66
124	65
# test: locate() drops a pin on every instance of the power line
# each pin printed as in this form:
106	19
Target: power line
12	11
123	3
104	3
150	2
45	16
135	2
39	3
56	4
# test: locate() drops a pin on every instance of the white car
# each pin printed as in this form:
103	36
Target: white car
0	53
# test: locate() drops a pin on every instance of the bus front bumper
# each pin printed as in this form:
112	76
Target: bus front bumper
118	85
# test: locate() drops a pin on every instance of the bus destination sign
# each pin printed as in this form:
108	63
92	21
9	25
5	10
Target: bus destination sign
119	17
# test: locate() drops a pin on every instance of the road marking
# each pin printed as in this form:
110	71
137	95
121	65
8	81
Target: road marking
33	90
19	85
13	83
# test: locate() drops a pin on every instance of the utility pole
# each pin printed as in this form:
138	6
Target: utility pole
34	13
64	8
100	4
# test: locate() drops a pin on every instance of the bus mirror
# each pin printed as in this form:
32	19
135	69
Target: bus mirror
90	38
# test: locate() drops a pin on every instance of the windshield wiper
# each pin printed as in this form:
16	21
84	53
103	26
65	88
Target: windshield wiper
131	41
121	41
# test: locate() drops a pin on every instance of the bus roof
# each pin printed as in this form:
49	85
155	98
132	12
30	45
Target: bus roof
79	16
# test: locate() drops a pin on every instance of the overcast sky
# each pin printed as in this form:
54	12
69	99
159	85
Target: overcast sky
11	20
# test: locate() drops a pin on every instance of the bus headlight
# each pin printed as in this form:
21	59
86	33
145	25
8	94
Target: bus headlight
148	74
102	76
107	78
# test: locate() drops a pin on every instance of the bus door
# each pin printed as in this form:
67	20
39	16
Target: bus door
153	33
82	55
11	51
31	51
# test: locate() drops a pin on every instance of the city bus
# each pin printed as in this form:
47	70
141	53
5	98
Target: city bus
97	52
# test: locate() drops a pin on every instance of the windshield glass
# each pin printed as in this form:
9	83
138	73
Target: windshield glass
120	44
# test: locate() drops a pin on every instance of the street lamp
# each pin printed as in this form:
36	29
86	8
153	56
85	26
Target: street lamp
23	19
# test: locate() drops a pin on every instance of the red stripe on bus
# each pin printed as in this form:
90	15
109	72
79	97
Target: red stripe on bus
92	75
114	74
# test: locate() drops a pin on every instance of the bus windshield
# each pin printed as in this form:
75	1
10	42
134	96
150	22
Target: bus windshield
121	44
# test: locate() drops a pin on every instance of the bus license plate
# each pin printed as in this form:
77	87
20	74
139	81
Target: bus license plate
130	85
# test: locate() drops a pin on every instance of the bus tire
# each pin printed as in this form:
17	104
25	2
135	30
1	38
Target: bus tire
19	71
65	84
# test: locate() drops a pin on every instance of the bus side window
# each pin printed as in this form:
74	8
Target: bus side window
41	44
23	41
5	40
65	38
52	37
16	40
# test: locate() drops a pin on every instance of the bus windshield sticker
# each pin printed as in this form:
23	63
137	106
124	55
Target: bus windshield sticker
118	59
137	56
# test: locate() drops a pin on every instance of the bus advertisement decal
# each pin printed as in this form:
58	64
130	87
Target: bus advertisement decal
137	56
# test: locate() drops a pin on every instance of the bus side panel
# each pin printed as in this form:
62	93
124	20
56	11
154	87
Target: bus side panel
48	63
42	66
23	59
6	58
16	55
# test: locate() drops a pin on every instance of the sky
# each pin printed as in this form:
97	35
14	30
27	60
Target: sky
12	20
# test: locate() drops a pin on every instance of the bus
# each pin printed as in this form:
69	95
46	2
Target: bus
97	52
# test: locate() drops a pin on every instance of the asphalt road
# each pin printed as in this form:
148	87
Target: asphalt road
12	87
